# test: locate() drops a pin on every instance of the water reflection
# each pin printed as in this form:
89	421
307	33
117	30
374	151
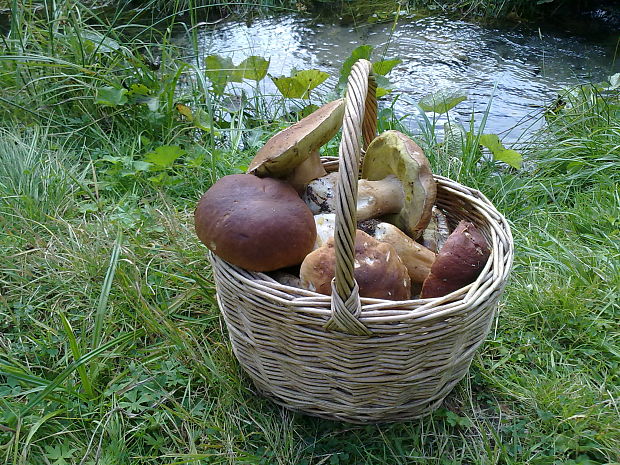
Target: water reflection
523	69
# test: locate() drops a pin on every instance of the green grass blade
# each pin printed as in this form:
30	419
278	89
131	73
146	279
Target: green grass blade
75	350
76	364
102	304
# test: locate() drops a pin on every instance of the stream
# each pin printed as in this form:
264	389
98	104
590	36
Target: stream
519	69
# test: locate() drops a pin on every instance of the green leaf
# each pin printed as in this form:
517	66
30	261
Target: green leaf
491	142
381	91
300	83
500	153
385	66
164	156
111	96
220	71
361	52
442	101
253	68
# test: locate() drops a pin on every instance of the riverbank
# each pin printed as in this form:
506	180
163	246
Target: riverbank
112	348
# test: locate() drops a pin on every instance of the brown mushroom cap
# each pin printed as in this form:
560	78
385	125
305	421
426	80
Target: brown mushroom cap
290	147
393	153
458	263
379	272
259	224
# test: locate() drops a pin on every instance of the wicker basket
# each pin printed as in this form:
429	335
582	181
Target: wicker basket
363	360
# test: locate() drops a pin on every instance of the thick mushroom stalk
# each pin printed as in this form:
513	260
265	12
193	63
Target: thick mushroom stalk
378	198
417	258
374	198
378	269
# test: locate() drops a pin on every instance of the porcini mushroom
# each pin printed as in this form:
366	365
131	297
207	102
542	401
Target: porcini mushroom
399	164
244	219
397	183
293	153
458	263
378	270
417	258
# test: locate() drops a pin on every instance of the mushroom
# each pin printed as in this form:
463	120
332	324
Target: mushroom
458	263
378	270
397	182
394	155
259	224
417	258
436	233
293	153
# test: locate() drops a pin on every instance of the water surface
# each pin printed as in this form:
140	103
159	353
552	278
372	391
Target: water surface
523	69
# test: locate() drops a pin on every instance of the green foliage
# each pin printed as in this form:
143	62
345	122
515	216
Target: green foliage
380	69
442	101
299	83
509	156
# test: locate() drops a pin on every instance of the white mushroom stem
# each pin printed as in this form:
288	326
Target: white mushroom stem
374	198
309	169
325	228
417	258
377	198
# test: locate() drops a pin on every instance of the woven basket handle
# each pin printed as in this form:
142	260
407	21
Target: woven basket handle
359	124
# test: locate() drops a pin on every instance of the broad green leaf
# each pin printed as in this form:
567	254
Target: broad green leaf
164	156
442	101
361	52
111	96
311	78
511	157
289	86
381	91
253	68
491	142
385	66
500	153
300	83
220	71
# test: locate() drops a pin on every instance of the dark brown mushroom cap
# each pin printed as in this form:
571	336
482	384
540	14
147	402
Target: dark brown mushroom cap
458	263
394	153
378	270
259	224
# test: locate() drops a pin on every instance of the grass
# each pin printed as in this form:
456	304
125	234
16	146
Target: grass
113	351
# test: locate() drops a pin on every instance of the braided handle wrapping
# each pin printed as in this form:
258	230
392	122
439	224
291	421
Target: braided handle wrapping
359	126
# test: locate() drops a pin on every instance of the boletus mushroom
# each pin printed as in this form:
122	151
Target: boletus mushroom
397	184
260	224
293	153
417	258
458	263
398	163
378	270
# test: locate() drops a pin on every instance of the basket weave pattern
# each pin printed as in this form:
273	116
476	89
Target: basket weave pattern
412	355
